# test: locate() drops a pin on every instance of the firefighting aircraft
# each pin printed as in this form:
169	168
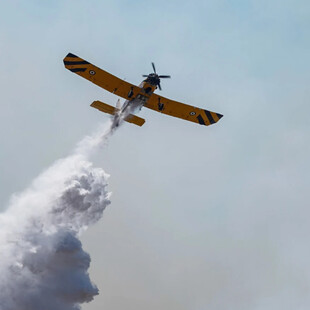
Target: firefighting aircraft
136	96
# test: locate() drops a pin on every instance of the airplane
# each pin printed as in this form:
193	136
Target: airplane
136	96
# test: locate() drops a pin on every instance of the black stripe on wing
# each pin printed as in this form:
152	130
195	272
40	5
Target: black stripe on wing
200	120
78	69
209	116
219	115
69	63
72	55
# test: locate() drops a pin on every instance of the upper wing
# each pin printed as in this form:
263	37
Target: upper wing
182	110
100	77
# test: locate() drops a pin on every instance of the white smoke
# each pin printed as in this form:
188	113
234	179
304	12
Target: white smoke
42	263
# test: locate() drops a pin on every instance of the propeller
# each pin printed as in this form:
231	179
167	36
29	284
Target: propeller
154	78
153	65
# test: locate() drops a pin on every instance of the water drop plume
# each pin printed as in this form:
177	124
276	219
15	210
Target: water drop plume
42	262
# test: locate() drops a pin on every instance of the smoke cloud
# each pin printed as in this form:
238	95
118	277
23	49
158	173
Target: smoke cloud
43	264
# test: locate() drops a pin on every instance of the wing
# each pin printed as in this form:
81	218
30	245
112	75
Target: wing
182	110
100	77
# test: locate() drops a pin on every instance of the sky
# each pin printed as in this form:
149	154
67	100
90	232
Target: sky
200	217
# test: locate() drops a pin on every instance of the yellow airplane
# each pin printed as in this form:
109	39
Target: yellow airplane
136	96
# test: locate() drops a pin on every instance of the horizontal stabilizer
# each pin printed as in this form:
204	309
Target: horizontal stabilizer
103	107
134	119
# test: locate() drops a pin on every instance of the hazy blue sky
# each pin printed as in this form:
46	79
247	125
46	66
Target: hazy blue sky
201	217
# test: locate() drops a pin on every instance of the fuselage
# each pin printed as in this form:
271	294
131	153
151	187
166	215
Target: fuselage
135	101
138	100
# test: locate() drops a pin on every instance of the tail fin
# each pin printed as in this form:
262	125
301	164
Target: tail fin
103	107
118	104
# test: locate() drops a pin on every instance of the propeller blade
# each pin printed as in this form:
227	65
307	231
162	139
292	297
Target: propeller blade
165	76
153	65
159	86
144	75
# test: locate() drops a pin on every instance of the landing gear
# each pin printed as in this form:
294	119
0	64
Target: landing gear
160	105
130	93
